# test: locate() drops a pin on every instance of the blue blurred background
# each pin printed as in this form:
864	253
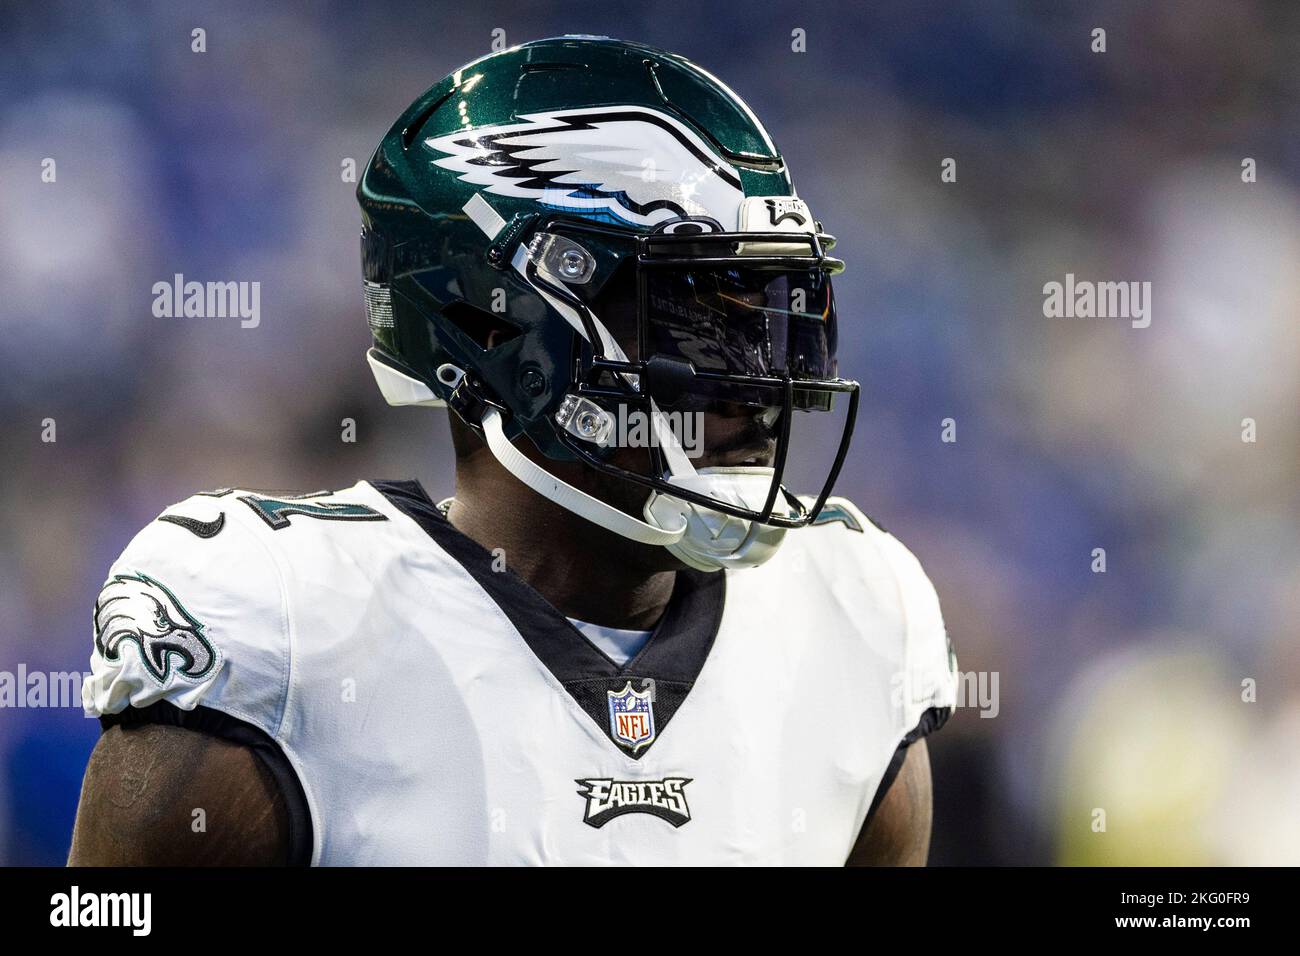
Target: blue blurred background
1119	690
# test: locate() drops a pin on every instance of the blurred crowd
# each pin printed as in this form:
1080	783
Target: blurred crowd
1163	691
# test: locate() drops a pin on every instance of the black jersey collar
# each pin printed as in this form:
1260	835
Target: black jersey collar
669	663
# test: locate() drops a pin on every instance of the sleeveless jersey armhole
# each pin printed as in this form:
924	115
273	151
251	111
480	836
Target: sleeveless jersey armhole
213	722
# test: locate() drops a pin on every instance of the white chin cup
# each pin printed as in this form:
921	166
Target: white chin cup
714	540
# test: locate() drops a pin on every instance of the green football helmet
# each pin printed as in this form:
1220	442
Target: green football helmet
580	233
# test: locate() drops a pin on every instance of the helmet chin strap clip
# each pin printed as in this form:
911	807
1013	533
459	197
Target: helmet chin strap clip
466	399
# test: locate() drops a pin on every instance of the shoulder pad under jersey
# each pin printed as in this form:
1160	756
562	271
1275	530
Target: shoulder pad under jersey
873	568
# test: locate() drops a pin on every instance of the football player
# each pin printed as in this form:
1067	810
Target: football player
624	640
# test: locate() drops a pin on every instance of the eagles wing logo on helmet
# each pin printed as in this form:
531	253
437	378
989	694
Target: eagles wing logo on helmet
632	164
136	609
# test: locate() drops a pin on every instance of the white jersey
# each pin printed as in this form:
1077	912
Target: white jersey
431	708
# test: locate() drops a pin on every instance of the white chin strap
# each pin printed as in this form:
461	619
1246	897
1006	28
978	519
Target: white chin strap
569	497
699	537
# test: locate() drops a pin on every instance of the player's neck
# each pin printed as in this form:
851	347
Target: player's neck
583	571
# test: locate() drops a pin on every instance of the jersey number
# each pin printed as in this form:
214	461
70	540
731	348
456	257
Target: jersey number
276	511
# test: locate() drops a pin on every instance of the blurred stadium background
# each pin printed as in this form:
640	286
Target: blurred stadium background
1120	691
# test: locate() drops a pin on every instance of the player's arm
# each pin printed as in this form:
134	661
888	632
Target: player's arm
161	795
188	676
897	833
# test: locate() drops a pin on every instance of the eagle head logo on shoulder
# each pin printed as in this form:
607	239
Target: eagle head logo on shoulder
136	609
629	164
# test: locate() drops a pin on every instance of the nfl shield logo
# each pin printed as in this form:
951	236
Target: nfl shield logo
631	717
